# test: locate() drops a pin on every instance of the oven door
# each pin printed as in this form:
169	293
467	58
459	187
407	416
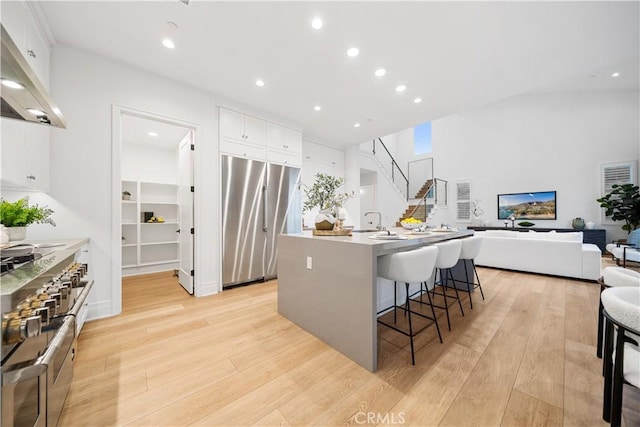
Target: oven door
24	399
59	359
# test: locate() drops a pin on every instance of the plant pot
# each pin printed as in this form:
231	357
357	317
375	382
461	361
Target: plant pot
126	197
324	220
16	233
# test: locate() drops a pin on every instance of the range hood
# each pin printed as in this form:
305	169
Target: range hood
16	102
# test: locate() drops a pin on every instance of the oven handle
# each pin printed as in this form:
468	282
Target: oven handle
39	367
82	297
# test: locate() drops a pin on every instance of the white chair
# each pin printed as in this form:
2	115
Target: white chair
408	267
622	358
613	277
629	251
448	255
470	250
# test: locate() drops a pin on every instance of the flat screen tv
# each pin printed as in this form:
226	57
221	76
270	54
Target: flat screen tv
538	205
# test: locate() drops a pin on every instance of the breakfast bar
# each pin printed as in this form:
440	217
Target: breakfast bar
329	286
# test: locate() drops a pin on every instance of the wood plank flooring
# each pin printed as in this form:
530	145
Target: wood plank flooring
523	357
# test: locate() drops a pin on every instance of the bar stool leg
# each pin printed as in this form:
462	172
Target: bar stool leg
616	396
433	313
473	263
450	274
469	285
413	357
607	368
444	295
600	331
395	302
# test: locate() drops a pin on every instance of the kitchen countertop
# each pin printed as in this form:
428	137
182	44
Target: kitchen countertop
16	279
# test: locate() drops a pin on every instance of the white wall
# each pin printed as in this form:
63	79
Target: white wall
142	162
546	141
86	86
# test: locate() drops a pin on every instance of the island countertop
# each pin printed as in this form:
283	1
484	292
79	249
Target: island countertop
328	285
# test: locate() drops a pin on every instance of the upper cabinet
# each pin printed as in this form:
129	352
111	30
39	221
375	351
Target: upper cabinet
245	136
284	145
25	31
242	135
25	155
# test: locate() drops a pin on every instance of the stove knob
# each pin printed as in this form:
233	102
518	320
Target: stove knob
43	312
57	296
18	329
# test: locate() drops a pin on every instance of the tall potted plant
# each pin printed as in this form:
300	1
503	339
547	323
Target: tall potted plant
324	195
16	216
623	204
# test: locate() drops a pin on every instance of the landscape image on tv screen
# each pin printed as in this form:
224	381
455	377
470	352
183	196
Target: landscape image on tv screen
539	205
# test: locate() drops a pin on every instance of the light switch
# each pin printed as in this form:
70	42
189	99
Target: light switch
309	263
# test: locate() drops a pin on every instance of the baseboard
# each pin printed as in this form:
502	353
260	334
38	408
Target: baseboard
99	310
207	288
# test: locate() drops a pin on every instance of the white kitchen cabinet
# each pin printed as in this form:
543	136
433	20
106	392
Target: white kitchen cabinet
284	145
241	127
25	31
25	155
323	159
150	247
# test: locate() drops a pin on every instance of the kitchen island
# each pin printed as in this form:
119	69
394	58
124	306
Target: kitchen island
329	285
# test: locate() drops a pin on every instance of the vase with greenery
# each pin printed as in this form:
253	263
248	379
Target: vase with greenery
623	204
324	195
16	216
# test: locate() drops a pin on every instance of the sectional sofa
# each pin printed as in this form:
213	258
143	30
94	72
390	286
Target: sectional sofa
557	254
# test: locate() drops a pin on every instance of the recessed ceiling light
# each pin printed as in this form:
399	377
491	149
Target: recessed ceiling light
168	43
418	100
259	83
380	72
12	84
317	23
401	88
353	52
152	134
616	74
357	125
317	108
36	112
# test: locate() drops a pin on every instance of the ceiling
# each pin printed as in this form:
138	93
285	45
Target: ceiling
136	130
454	55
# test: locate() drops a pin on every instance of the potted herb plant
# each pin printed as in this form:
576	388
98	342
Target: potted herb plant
16	216
126	195
623	204
324	195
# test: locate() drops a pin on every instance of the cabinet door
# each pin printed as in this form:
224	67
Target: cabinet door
12	141
231	124
255	130
37	50
276	136
293	141
14	17
37	157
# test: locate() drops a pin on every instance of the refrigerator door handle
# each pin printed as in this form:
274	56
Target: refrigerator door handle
264	208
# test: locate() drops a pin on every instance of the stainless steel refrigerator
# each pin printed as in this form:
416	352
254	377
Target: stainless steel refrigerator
259	201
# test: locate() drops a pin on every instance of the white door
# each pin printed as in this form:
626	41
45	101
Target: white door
185	202
368	203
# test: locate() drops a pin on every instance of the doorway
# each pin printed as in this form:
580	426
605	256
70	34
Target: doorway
153	188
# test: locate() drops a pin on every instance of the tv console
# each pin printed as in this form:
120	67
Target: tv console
597	237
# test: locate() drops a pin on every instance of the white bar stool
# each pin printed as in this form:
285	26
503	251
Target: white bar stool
470	250
622	312
409	267
448	255
613	277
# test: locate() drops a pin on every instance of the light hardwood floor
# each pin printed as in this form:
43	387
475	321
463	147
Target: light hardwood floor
525	356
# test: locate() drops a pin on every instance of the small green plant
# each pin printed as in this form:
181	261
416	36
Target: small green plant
20	214
324	193
623	204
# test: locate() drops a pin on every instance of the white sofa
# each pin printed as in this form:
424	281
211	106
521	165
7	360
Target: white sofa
558	254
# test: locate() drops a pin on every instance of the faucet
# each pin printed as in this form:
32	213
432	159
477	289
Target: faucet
379	226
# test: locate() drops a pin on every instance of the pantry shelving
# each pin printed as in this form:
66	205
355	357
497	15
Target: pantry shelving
149	246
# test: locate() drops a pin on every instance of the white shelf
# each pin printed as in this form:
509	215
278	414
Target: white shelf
168	242
156	243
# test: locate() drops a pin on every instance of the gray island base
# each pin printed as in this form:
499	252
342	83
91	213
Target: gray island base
328	286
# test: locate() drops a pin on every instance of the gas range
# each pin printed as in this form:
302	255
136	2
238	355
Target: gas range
42	298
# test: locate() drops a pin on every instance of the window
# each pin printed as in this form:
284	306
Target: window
422	139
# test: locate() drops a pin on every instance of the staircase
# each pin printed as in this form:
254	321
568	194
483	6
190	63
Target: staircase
422	205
